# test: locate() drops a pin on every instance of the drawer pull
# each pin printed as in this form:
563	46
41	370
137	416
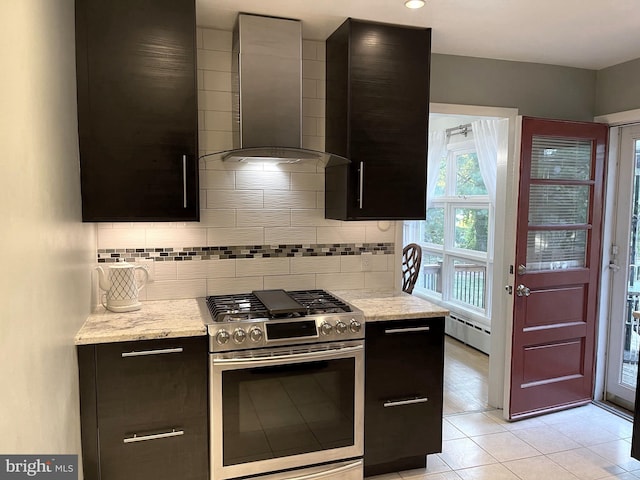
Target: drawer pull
406	330
151	352
142	438
400	403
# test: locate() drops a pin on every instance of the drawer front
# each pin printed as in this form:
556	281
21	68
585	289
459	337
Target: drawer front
396	432
149	385
177	451
404	358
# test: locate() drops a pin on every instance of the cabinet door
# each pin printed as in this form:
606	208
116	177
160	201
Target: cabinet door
377	113
152	409
403	391
137	109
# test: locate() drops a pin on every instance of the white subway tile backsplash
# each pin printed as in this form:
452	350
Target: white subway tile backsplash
213	100
315	264
313	69
218	180
321	51
216	163
309	50
205	269
350	263
121	238
346	234
176	238
375	235
165	271
312	142
199	38
290	282
380	263
340	281
289	235
378	280
290	199
213	80
235	199
215	141
307	181
312	107
263	218
309	88
224	286
235	236
175	289
310	126
213	120
214	60
266	180
248	267
312	217
216	39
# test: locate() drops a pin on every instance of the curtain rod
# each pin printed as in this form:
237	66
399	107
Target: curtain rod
459	130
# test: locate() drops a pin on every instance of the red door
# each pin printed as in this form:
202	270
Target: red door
558	251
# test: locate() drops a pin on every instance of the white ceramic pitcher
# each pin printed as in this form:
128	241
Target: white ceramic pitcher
121	286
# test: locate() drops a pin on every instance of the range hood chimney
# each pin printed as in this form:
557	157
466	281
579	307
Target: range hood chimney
267	94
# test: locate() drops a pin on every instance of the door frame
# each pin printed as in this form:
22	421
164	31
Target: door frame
615	121
508	172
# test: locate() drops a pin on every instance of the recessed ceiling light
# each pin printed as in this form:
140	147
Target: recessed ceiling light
414	4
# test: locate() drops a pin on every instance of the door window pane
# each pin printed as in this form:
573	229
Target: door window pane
469	282
468	178
556	250
560	158
558	204
441	184
472	228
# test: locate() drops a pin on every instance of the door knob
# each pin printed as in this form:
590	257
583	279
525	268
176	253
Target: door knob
523	291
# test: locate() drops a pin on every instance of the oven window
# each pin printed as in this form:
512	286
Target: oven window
279	411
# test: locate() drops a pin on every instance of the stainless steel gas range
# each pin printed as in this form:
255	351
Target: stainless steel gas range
286	386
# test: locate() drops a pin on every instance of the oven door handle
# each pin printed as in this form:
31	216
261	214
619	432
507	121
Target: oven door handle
280	359
330	473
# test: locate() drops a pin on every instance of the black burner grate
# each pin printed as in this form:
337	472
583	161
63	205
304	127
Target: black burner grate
247	305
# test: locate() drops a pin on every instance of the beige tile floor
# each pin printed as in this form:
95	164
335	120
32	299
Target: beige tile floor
582	443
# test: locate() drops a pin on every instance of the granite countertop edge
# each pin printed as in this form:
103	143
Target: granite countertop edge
185	318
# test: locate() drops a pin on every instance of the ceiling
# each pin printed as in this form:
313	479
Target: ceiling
590	34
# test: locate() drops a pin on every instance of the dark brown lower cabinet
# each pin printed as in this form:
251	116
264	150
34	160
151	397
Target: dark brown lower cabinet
403	393
635	440
144	410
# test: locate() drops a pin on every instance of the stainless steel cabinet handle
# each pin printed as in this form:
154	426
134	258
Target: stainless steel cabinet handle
152	352
184	181
406	330
361	184
142	438
400	403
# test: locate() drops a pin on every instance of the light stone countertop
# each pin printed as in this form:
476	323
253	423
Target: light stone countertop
380	305
156	319
184	318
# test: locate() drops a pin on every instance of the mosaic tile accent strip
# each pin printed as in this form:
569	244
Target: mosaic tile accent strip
242	251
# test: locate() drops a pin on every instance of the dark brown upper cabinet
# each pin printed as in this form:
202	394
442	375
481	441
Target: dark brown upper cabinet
377	110
137	110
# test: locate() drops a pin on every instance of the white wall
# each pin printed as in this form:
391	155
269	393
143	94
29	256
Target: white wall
246	205
45	250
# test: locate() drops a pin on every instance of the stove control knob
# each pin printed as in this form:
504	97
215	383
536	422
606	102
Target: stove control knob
325	328
255	334
355	326
239	335
341	327
222	337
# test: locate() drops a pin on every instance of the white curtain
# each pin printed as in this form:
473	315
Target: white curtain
437	149
486	137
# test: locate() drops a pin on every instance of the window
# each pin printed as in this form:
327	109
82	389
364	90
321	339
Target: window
457	235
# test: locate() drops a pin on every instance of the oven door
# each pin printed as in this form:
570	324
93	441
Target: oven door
284	408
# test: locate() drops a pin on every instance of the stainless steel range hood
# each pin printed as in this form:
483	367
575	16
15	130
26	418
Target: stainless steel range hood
267	94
